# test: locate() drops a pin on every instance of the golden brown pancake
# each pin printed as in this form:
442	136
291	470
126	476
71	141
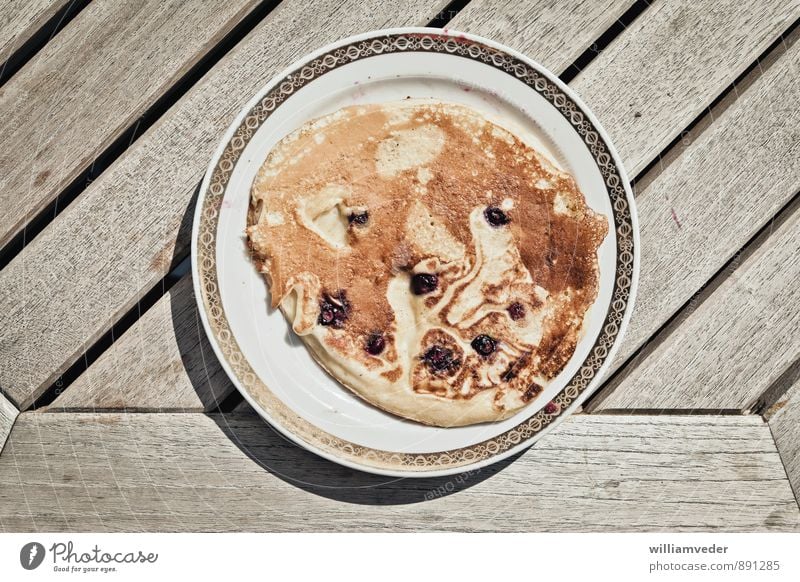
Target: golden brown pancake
432	262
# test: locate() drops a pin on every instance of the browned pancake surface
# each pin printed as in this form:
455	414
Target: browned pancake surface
478	166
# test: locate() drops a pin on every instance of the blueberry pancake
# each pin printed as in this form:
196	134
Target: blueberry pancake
435	264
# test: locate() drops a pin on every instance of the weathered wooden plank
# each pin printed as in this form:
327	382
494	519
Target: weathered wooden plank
646	92
784	421
208	473
130	218
720	188
113	270
21	19
188	376
90	84
123	378
8	412
552	32
734	345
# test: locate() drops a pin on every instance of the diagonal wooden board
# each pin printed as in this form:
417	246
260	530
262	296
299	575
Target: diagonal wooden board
665	282
175	367
722	189
784	421
645	92
90	83
179	472
22	19
163	363
8	412
732	346
554	34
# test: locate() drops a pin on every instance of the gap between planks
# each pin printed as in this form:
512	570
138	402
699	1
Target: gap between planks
103	159
129	92
751	119
754	38
8	413
783	417
194	346
209	139
28	25
777	391
734	342
103	381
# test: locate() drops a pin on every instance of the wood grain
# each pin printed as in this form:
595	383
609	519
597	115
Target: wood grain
8	412
128	374
551	32
645	92
189	377
178	472
729	180
88	85
122	231
723	185
734	344
99	278
784	421
21	19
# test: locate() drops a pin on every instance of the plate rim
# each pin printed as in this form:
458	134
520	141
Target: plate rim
593	384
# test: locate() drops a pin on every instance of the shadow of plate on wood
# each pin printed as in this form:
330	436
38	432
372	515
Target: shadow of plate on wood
299	467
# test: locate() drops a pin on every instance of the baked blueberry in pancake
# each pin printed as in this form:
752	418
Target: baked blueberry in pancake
432	262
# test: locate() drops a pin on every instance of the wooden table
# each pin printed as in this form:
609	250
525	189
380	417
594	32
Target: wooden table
114	412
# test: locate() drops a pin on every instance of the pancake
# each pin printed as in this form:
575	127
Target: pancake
431	261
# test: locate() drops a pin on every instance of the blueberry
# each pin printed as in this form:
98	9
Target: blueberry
550	408
359	219
334	309
375	344
484	345
440	359
516	311
495	216
326	316
423	283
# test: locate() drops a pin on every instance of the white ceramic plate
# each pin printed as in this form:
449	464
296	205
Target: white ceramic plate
255	345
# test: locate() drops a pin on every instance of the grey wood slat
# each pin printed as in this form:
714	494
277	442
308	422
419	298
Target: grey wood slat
8	412
164	362
89	84
21	19
179	472
130	218
732	346
784	421
552	32
128	374
704	205
646	93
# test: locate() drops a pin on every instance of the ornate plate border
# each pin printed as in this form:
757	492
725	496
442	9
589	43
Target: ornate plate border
328	445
